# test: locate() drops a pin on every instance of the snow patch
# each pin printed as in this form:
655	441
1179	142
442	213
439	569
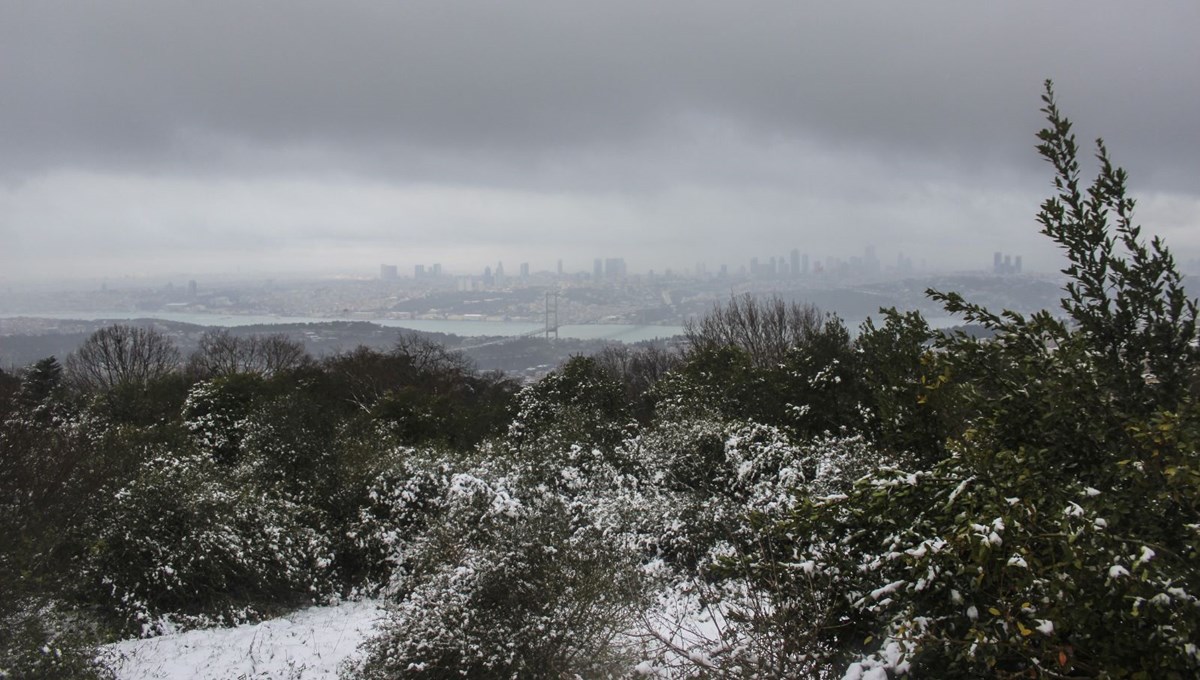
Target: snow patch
309	644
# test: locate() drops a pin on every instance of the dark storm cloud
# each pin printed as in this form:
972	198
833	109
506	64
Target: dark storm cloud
195	126
143	82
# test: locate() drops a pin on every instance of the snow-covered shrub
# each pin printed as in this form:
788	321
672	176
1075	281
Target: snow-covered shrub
217	413
510	581
188	541
711	606
708	474
403	497
44	640
965	570
577	404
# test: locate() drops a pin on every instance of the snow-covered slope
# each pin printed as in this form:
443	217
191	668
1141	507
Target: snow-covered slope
309	644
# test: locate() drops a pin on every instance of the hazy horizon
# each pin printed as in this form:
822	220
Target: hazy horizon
150	139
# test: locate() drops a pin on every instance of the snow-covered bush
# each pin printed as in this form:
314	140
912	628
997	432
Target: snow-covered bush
511	580
45	640
707	474
217	413
403	497
189	542
577	404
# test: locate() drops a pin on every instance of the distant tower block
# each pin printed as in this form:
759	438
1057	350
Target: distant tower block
614	268
387	272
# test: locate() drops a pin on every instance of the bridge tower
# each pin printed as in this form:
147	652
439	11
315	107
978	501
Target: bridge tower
551	314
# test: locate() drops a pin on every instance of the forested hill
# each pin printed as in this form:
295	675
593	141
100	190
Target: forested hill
24	340
782	499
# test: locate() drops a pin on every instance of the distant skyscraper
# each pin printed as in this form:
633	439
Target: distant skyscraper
524	270
419	271
560	267
795	262
614	268
387	271
437	269
870	261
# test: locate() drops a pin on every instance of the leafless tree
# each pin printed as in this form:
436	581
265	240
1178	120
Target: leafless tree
765	329
278	353
223	353
636	368
430	357
120	355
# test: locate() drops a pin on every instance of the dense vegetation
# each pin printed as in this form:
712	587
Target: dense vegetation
784	499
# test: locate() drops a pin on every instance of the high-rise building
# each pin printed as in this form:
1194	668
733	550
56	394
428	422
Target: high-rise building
1006	264
437	269
614	268
387	271
795	262
419	271
524	270
560	267
870	261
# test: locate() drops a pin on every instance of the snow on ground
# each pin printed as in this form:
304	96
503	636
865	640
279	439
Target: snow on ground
308	644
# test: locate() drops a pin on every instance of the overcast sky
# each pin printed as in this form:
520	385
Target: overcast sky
196	138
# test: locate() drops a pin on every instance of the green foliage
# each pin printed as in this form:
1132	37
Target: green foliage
1058	537
187	542
40	640
910	407
423	393
577	404
812	388
217	413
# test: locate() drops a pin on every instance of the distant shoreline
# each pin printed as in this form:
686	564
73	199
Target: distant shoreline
459	327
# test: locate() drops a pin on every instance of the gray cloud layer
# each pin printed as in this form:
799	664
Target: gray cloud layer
339	130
